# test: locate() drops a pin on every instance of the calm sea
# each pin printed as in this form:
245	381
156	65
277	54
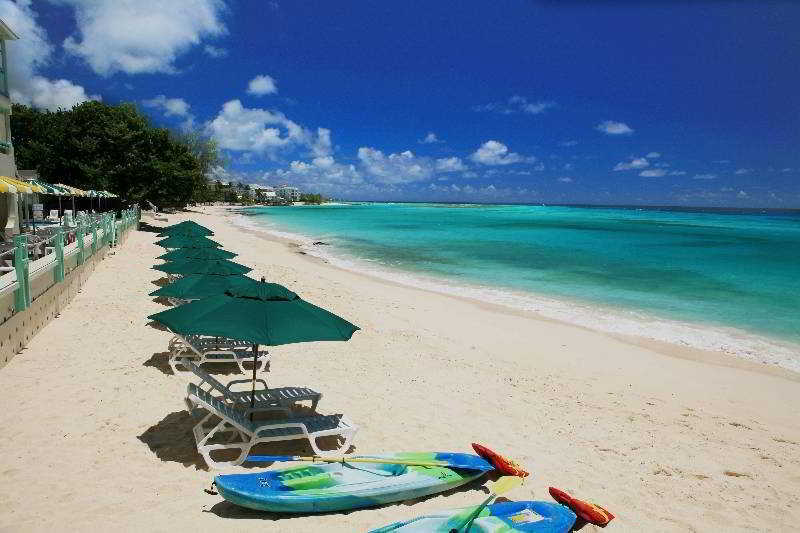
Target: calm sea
736	273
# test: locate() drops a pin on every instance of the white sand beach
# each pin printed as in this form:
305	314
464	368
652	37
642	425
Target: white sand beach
96	434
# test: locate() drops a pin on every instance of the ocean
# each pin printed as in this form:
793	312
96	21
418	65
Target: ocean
722	279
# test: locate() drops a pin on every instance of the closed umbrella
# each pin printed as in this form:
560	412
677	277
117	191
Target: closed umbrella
180	241
180	254
216	267
255	313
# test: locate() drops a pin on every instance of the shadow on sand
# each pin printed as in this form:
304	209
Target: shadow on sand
171	439
144	226
160	361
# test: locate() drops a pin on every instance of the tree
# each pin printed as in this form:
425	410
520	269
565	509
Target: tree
100	146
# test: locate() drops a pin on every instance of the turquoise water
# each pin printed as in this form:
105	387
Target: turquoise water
729	268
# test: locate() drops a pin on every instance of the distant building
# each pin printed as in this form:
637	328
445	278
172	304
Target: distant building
264	193
291	194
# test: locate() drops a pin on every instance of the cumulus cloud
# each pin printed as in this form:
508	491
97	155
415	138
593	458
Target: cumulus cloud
140	36
262	131
742	194
215	51
741	171
653	173
653	155
677	173
450	164
29	54
515	104
402	167
609	127
634	164
704	177
430	138
496	153
565	180
172	107
261	85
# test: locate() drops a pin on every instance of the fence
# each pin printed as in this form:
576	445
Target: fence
33	291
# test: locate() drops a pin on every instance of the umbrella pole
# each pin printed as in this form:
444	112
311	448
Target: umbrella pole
253	390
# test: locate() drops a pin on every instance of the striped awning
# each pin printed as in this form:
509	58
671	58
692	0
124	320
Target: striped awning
7	187
73	191
21	186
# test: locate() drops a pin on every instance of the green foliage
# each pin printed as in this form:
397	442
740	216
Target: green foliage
100	146
312	198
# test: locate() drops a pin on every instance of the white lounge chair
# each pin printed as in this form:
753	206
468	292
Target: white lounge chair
213	350
278	398
236	423
53	217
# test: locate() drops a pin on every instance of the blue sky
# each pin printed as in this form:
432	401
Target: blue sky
664	102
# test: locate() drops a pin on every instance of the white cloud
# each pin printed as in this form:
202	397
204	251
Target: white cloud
515	104
653	173
677	173
786	170
403	167
430	138
28	55
138	36
450	164
722	161
742	171
634	164
261	85
742	194
262	131
653	155
704	177
610	127
565	180
172	107
569	143
322	145
495	153
215	51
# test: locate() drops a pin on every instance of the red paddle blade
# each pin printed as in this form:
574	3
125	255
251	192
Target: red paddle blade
501	464
591	512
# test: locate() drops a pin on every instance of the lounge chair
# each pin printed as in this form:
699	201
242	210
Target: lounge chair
279	398
53	217
236	422
213	350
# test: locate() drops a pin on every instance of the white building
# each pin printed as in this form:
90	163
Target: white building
9	216
289	193
264	193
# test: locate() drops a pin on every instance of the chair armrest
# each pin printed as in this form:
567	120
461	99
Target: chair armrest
248	381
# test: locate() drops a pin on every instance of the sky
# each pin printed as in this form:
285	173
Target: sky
550	101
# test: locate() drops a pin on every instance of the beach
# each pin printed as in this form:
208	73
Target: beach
668	438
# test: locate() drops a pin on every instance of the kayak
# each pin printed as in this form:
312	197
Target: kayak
539	517
323	487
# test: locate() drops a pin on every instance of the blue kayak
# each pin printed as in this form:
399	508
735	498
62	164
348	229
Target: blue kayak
323	487
506	517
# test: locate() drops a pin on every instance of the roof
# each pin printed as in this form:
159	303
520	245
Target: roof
6	33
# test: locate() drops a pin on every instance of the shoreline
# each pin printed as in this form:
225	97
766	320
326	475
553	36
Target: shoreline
741	357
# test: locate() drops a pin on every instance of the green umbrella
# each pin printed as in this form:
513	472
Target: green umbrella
181	254
196	286
182	241
217	267
187	227
256	314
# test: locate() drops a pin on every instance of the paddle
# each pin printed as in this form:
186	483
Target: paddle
464	461
503	485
